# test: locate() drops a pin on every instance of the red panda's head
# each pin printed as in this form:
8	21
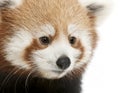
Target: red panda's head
53	38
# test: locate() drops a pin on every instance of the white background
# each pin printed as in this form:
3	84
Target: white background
103	73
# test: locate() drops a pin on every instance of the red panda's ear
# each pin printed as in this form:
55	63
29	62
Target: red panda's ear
97	8
10	3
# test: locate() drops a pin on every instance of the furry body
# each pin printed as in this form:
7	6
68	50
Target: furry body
45	45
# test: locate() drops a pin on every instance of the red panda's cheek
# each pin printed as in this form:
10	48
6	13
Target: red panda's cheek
78	46
14	46
34	46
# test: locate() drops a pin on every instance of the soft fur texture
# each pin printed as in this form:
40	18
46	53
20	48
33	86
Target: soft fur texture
37	34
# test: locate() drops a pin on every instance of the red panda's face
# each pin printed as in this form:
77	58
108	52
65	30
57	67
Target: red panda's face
51	37
52	55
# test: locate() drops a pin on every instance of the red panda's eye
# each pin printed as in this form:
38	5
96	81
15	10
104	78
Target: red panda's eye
44	40
72	40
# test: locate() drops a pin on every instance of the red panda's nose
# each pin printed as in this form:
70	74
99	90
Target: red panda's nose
63	62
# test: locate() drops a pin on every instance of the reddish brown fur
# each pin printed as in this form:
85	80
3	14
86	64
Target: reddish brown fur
34	13
60	17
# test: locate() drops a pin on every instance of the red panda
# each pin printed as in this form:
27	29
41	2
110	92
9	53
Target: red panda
45	45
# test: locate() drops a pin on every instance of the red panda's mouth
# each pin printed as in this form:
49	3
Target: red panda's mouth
59	72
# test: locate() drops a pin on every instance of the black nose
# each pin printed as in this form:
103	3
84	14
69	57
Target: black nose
63	62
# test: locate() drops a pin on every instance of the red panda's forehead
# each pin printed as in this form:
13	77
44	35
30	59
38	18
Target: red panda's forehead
59	13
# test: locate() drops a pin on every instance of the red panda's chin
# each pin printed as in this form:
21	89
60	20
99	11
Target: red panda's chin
51	74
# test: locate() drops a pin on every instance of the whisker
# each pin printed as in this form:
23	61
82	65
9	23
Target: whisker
26	81
40	56
7	78
15	90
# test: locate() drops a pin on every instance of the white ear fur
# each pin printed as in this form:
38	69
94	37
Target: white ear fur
10	3
99	8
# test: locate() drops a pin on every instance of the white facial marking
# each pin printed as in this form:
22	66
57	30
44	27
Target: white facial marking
72	28
15	48
44	30
48	29
85	39
46	58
